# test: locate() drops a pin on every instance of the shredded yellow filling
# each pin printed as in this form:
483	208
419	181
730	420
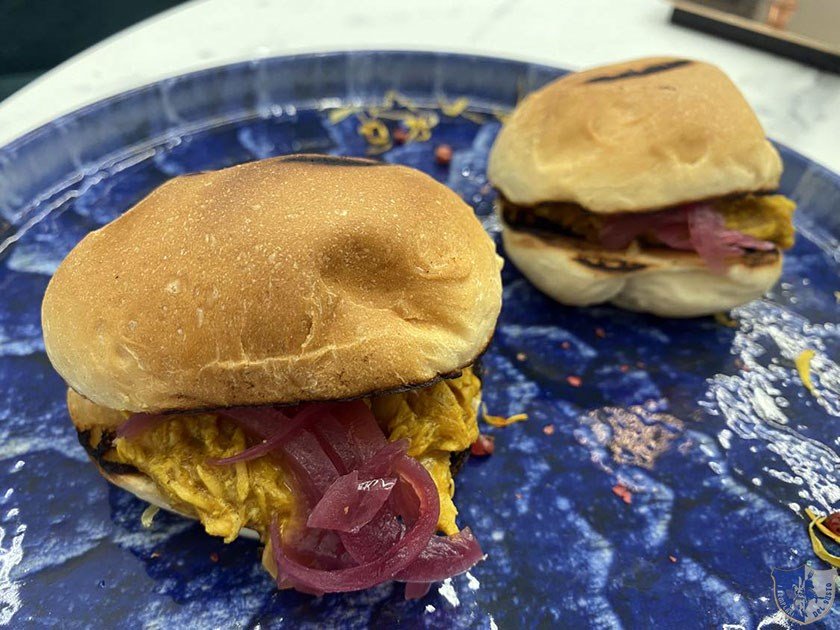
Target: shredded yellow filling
438	420
767	218
817	544
803	366
502	421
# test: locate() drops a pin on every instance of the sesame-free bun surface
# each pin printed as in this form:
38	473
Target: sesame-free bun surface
665	282
284	280
633	137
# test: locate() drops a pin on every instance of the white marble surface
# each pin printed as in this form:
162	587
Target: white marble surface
797	104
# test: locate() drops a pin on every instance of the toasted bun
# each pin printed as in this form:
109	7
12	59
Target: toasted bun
284	280
633	137
665	282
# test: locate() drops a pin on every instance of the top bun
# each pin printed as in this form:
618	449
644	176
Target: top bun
290	279
634	137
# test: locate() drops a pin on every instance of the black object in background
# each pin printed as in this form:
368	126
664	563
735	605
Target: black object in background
805	30
36	35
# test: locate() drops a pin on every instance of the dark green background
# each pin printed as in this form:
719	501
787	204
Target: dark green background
36	35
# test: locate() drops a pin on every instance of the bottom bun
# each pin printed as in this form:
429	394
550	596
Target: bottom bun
664	282
145	489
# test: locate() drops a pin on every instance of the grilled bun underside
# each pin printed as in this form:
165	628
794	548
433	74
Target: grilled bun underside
664	282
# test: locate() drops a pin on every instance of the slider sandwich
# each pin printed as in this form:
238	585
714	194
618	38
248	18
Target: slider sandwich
286	347
648	184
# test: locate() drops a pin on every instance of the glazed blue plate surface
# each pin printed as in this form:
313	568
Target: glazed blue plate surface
661	473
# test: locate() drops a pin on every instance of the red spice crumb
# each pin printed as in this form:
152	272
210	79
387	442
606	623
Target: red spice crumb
483	446
565	345
672	558
521	356
574	381
832	522
214	557
548	429
624	368
399	135
600	332
443	154
623	493
518	495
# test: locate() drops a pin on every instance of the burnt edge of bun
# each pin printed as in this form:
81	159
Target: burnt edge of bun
97	453
633	74
458	460
758	258
608	264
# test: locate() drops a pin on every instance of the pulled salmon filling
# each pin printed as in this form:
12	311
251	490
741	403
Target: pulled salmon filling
212	466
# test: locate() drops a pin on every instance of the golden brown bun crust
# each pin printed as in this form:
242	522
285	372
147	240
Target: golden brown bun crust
87	415
664	282
289	279
633	137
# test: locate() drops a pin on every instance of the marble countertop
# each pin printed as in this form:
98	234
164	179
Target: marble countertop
797	104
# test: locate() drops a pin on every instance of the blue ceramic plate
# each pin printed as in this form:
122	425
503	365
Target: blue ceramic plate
659	478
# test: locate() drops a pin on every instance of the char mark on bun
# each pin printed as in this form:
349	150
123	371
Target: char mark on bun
329	160
98	447
602	263
643	72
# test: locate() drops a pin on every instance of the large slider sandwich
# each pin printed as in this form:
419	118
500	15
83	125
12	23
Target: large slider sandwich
286	347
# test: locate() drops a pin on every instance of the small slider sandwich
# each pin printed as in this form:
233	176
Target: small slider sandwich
286	347
646	184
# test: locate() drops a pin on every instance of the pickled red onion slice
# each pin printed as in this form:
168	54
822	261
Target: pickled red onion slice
386	566
443	557
417	590
695	227
138	424
375	538
371	511
349	504
312	469
284	428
